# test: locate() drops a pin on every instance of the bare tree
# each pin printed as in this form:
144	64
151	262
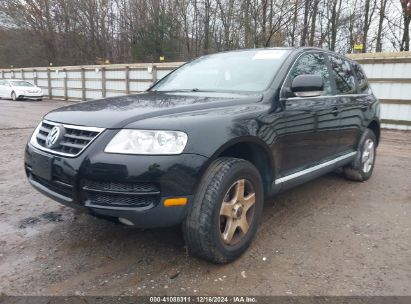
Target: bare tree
381	17
369	10
406	15
304	32
92	31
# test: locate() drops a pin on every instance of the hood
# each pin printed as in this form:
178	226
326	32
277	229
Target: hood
116	112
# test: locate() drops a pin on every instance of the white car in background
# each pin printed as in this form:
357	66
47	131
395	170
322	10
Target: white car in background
16	89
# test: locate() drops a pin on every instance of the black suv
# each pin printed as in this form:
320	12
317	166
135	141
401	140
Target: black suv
205	145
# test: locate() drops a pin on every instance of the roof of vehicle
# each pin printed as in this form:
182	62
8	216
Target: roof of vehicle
299	49
307	48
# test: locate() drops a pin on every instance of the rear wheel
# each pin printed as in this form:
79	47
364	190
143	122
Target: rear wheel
224	216
13	96
362	166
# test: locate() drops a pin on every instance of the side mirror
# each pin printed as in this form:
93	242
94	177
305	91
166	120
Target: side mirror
307	86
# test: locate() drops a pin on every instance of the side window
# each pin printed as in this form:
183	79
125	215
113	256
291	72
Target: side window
343	75
2	82
312	64
362	79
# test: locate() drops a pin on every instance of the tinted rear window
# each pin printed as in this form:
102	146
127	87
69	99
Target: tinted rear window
362	80
343	75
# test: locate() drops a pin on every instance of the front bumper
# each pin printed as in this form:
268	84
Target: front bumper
30	96
132	187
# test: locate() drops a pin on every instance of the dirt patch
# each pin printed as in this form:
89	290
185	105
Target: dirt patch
29	221
52	216
41	219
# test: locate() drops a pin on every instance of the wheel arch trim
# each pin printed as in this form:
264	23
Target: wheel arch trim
253	141
375	122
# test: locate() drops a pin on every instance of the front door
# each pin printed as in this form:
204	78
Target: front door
311	123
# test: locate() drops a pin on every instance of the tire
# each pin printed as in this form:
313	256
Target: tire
361	168
13	96
206	227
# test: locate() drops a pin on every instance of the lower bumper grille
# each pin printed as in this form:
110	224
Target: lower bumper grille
148	188
126	195
55	186
118	200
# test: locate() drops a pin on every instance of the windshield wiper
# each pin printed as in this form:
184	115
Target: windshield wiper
184	90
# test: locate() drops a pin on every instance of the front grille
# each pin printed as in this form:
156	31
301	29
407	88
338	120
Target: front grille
74	141
121	200
116	194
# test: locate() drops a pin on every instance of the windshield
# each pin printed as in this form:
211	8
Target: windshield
232	71
20	83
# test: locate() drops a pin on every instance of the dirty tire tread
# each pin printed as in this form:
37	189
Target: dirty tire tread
354	171
198	225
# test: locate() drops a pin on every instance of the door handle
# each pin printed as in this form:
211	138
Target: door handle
335	111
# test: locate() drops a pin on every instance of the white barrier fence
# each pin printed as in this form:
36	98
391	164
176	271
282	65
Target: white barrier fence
389	75
92	82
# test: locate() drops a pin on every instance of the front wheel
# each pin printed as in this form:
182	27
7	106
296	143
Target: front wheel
362	166
223	218
13	96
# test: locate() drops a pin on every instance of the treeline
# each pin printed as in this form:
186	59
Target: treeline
72	32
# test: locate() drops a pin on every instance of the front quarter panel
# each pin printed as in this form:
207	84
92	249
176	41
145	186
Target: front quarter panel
18	91
209	130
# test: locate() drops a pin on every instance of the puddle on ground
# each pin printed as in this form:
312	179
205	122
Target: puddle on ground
47	217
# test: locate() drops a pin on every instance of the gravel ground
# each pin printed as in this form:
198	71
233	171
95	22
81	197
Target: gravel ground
327	237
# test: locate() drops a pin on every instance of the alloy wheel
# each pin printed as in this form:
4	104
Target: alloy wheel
237	212
368	154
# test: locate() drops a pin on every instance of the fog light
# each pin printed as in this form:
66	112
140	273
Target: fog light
125	221
171	202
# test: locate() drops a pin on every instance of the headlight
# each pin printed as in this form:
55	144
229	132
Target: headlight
147	142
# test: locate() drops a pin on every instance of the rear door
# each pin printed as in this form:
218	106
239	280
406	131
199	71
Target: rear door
353	104
311	123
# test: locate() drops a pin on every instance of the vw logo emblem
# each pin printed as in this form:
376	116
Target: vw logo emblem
54	137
